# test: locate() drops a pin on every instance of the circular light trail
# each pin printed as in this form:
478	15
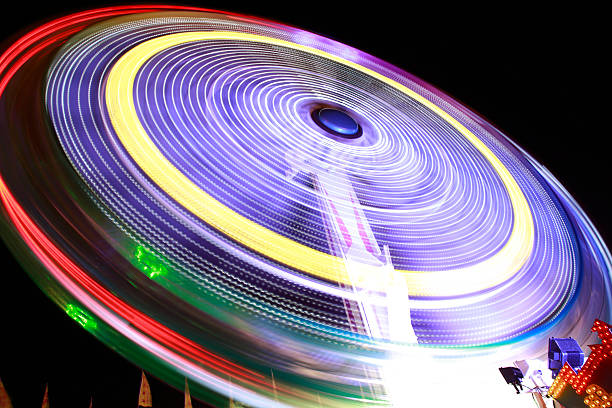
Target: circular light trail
281	218
460	279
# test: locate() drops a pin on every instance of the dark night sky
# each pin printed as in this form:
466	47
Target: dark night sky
534	74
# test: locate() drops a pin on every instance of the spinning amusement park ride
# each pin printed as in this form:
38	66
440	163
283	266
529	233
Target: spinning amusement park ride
281	218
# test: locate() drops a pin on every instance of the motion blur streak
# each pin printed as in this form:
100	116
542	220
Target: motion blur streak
165	180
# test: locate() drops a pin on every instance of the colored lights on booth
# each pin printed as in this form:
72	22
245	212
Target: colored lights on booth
600	353
597	397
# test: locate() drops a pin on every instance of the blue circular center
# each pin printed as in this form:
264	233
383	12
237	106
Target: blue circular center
338	122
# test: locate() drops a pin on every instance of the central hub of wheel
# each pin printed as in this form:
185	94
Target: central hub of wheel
337	123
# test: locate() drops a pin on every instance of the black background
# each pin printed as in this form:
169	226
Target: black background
535	74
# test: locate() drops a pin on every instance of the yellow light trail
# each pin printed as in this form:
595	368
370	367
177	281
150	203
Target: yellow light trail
120	103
